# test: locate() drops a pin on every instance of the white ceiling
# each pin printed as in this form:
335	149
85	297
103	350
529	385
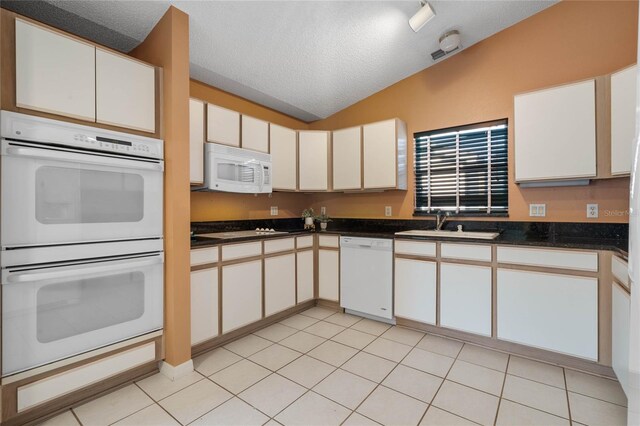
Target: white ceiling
308	59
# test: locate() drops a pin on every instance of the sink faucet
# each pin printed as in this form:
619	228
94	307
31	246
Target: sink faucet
441	219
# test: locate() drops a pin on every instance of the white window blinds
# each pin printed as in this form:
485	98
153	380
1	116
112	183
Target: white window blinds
462	170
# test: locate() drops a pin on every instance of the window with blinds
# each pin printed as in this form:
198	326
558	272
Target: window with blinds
462	170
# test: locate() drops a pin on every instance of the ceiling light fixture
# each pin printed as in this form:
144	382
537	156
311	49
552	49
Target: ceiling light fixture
422	16
449	41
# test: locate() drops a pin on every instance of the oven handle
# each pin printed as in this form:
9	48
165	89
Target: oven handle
74	271
50	154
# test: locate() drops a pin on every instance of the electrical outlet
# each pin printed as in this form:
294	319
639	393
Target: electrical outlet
537	210
592	211
274	210
387	210
323	210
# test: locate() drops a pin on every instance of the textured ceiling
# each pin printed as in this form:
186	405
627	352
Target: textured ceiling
308	59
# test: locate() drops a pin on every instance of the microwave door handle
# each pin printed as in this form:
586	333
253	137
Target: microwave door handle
73	271
69	156
262	177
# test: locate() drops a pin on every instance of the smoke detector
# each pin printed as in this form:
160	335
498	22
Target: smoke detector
449	43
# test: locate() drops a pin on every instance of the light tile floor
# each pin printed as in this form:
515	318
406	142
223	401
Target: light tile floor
325	368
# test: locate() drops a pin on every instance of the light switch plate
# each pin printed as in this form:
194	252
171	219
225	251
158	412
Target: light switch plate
592	211
537	210
387	210
323	210
274	210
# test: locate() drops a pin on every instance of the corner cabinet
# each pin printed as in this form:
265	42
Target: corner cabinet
555	133
347	159
196	141
623	119
313	160
284	158
384	153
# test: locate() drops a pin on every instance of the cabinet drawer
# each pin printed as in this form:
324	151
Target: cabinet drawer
466	252
304	242
578	260
329	241
55	386
620	270
274	246
416	248
203	256
239	251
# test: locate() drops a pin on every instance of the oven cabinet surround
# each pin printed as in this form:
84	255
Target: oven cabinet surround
623	119
196	141
60	74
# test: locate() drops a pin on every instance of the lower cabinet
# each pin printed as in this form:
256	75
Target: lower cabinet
415	290
304	272
465	298
241	294
279	283
549	311
620	306
328	274
204	305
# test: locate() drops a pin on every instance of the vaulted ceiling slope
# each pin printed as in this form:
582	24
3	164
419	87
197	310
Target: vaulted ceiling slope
307	59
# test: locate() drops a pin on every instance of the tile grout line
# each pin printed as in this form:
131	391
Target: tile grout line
504	382
566	388
157	402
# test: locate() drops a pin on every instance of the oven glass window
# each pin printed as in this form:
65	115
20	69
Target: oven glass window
236	172
75	307
88	196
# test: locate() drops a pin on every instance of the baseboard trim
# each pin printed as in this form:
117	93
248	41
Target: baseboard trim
174	372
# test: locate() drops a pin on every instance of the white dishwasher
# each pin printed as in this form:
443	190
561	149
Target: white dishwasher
366	277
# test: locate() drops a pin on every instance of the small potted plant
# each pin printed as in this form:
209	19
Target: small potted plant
323	219
308	215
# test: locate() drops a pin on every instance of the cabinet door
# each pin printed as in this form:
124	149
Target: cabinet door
241	294
620	301
125	92
549	311
465	298
223	125
255	134
279	283
623	119
284	157
196	141
555	133
328	274
415	290
54	73
304	273
204	305
347	162
379	143
313	155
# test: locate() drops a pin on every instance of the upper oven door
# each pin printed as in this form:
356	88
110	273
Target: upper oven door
53	195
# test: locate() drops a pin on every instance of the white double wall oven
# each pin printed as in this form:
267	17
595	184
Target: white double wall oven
81	239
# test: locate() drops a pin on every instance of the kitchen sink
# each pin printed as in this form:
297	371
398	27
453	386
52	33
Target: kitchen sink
448	234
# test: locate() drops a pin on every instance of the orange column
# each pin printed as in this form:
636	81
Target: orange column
167	46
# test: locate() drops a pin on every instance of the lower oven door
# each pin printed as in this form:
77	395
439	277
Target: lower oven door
51	313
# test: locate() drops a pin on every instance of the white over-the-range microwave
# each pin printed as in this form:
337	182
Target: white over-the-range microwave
231	169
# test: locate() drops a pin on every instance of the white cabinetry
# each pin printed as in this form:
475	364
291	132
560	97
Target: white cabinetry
241	294
313	160
284	157
555	133
384	147
549	311
255	134
328	274
465	298
620	308
279	283
54	73
125	92
204	305
623	119
415	290
347	161
304	273
196	141
223	125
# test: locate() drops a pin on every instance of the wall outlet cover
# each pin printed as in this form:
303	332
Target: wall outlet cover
323	210
387	210
274	210
592	211
537	210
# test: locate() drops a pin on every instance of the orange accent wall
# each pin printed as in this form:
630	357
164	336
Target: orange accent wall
209	206
570	41
167	46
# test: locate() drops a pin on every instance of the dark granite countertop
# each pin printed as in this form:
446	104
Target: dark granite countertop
587	236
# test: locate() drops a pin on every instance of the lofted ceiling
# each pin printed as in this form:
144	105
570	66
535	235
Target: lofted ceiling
307	59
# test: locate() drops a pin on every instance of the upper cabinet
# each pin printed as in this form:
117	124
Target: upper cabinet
223	125
623	119
54	73
196	141
385	155
125	92
347	159
313	160
284	157
555	133
255	134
